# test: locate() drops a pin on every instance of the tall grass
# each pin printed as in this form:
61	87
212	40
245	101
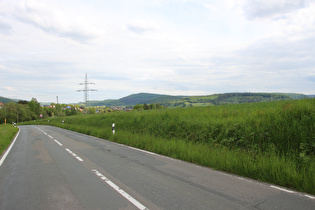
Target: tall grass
272	141
7	133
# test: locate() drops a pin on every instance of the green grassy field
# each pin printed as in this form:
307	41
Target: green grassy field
269	141
7	133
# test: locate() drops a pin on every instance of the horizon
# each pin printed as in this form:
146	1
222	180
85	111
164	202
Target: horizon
81	102
172	47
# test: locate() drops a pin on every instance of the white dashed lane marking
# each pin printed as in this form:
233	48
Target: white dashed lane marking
73	154
120	191
58	142
102	177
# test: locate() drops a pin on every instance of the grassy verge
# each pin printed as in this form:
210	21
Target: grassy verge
272	142
7	133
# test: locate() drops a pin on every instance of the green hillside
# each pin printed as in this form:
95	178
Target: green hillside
190	101
297	95
227	98
108	102
7	100
134	99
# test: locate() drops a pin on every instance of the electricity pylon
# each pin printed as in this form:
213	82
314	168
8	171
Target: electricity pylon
86	90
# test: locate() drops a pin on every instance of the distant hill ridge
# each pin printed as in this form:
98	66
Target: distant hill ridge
134	99
7	100
182	101
215	99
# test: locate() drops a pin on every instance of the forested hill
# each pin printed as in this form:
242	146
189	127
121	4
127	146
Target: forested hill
134	99
227	98
148	98
7	100
184	101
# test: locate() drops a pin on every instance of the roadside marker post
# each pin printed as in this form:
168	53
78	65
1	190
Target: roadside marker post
113	127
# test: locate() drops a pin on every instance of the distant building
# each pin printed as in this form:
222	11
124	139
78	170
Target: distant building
49	106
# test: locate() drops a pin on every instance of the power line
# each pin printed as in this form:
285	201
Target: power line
86	89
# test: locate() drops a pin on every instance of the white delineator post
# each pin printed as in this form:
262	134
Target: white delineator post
113	127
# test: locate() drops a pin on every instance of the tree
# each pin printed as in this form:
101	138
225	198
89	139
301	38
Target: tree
50	111
35	106
152	106
92	110
58	110
12	112
138	107
22	102
146	107
15	112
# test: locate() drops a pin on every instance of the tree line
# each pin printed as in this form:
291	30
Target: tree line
145	106
23	111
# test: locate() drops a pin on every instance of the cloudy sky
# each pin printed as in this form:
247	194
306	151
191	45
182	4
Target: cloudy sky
176	47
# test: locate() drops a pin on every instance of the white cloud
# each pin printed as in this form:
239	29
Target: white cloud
270	8
162	46
142	26
10	88
303	21
5	28
54	21
281	19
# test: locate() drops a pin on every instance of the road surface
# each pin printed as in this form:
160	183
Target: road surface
52	168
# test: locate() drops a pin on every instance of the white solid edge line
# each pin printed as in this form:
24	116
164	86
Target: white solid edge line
144	151
293	192
120	191
309	196
282	189
8	150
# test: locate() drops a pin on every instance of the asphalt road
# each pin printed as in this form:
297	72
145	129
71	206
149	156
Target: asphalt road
52	168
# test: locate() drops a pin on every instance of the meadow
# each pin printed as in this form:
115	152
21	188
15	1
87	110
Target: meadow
269	141
7	133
